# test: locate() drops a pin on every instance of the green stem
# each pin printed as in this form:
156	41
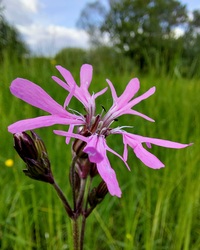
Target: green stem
64	200
89	211
76	234
82	232
81	195
87	191
73	182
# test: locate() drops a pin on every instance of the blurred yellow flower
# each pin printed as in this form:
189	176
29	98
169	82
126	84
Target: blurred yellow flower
53	62
129	236
9	163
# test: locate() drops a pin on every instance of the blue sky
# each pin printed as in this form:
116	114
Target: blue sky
49	25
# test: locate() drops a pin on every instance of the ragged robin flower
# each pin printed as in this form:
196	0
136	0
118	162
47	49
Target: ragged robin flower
93	128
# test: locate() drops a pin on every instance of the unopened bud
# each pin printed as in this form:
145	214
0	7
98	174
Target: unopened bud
97	194
79	145
102	190
33	152
84	168
25	146
93	170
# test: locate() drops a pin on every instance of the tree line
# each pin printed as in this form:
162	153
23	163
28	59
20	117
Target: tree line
145	33
156	34
11	43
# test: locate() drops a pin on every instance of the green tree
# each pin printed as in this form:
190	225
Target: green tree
142	29
91	19
10	39
71	56
191	53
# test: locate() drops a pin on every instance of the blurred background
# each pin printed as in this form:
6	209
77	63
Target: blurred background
163	35
157	41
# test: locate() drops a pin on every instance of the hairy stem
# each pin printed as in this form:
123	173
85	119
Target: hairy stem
64	200
76	234
73	181
81	195
82	232
84	212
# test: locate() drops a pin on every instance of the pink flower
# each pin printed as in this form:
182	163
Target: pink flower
93	128
135	142
36	96
81	93
123	105
96	149
99	127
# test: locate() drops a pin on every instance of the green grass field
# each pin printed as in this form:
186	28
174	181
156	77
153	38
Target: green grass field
159	209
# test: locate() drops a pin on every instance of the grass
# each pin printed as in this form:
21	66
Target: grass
159	210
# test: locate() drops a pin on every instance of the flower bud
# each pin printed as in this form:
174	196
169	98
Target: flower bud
84	167
33	152
24	146
97	194
78	147
93	170
102	190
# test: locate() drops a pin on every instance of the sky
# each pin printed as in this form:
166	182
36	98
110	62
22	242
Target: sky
48	25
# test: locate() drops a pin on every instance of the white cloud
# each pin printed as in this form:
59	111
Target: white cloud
48	40
36	21
31	6
21	11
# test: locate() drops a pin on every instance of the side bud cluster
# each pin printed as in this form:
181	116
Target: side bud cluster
33	152
84	167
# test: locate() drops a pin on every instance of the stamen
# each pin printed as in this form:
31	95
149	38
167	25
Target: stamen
103	108
75	111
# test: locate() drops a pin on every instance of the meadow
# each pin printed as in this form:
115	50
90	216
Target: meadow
159	209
